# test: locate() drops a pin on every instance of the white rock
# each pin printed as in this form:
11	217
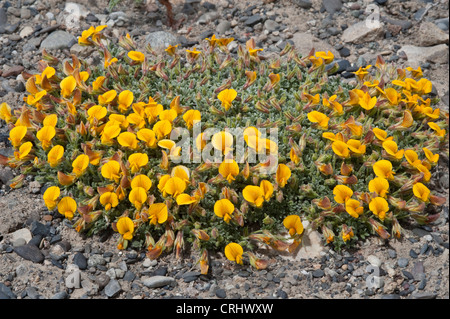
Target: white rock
23	233
361	32
157	281
27	31
374	261
76	9
304	42
417	55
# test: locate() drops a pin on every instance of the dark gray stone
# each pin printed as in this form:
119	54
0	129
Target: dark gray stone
343	65
318	273
254	19
3	17
80	260
332	6
305	4
129	276
221	293
60	295
38	228
30	252
423	295
403	262
113	288
6	292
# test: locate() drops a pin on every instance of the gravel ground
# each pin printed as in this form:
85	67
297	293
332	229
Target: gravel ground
42	257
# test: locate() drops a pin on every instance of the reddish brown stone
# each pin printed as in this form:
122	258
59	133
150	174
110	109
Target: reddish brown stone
13	71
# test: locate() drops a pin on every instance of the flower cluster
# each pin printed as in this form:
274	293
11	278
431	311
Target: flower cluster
352	160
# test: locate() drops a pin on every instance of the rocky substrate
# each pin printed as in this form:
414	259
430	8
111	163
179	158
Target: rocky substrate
42	257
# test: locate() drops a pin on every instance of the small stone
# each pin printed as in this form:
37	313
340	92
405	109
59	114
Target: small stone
80	260
254	19
332	6
58	40
223	27
374	261
430	34
413	254
13	71
25	13
271	25
113	288
157	281
221	293
102	280
160	40
361	33
375	282
207	17
424	295
403	262
21	234
30	252
318	273
60	295
305	4
392	253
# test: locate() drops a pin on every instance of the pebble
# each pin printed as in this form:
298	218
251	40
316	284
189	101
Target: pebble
73	280
254	19
221	293
30	252
58	40
13	71
403	262
113	288
318	273
223	27
80	260
157	281
374	261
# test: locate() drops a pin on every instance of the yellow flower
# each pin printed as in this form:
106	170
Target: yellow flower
109	200
342	193
383	168
415	73
354	208
98	83
327	57
147	136
168	115
137	197
55	155
80	164
332	137
381	134
254	52
356	147
136	56
110	131
192	116
162	128
171	49
412	157
5	112
127	139
367	102
96	112
48	72
439	132
267	189
125	100
137	160
227	96
125	227
347	233
392	95
173	186
319	118
379	185
283	174
193	54
391	148
118	119
234	252
67	207
141	181
50	120
379	207
421	191
254	195
110	170
274	78
45	135
294	225
229	169
362	72
157	213
136	120
433	158
222	141
223	208
107	97
33	99
50	197
340	149
67	86
17	134
24	150
109	60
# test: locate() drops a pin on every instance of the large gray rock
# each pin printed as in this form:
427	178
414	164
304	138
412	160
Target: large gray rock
430	34
160	40
362	32
417	55
304	42
30	252
58	40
